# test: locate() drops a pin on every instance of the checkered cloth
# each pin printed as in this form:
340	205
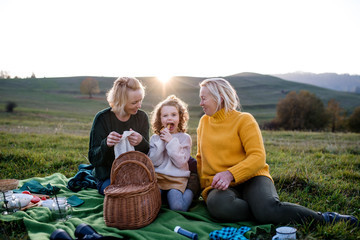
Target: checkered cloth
229	233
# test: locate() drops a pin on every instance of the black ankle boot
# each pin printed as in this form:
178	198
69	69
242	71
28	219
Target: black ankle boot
60	234
85	231
333	217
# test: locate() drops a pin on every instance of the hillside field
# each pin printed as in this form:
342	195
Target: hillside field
259	95
49	132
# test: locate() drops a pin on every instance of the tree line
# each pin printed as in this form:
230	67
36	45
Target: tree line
6	75
305	111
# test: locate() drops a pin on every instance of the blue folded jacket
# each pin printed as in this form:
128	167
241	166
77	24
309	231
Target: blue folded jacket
83	179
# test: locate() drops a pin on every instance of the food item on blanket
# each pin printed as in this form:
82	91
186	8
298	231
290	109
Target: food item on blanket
26	192
35	199
20	200
41	196
30	205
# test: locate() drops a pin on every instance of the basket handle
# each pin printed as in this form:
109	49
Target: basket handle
130	161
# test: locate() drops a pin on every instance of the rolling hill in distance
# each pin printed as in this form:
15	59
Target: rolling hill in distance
339	82
259	94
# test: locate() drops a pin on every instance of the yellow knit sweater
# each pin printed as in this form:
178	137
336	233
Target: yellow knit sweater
230	141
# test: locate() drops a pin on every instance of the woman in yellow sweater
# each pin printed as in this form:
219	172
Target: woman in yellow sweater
232	168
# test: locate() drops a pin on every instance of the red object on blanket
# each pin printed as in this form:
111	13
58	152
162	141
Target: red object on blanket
35	199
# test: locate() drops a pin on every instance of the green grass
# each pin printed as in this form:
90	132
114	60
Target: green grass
41	154
317	170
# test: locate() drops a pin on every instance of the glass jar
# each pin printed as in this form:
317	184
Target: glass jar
60	209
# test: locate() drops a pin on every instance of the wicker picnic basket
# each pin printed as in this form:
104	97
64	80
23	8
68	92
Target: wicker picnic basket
8	184
132	200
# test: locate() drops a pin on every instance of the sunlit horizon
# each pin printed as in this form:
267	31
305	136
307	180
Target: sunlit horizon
164	78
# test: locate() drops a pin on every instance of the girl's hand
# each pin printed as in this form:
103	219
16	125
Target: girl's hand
222	180
165	135
135	138
113	138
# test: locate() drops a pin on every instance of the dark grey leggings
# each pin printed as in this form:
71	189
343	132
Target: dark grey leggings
256	199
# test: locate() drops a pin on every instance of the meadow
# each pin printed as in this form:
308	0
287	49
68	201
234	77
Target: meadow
319	170
49	132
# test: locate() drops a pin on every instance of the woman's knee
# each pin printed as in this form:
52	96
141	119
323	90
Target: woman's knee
218	197
226	205
263	199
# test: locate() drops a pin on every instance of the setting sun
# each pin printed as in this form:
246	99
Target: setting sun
164	79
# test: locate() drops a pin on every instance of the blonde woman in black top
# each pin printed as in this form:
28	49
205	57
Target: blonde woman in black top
124	114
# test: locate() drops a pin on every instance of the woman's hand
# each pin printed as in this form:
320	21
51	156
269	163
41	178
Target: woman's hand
165	135
113	138
135	138
222	180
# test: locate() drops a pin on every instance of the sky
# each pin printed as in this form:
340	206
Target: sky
203	38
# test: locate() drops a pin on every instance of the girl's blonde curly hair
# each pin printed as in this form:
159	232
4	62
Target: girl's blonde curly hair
176	102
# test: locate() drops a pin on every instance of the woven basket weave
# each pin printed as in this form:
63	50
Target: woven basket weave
8	184
133	199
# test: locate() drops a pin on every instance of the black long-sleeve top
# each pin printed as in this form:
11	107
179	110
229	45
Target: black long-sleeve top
100	155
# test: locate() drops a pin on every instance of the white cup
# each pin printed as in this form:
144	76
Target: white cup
283	233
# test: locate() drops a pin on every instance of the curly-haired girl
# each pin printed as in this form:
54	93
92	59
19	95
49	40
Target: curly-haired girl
170	149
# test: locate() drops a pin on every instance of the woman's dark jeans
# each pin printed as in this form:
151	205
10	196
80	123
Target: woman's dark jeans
256	199
101	185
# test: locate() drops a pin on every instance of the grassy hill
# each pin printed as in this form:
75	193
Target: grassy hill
49	132
60	97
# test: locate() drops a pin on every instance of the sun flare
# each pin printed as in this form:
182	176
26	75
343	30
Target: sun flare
164	79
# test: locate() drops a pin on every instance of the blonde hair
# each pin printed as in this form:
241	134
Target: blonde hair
176	102
221	89
117	96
